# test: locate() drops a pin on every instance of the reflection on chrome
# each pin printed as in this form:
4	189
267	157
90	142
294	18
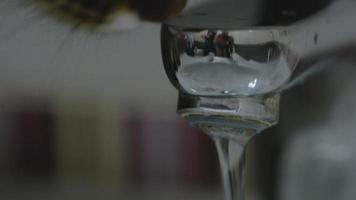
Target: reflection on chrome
220	63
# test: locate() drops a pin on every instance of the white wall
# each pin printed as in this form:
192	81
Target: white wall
38	55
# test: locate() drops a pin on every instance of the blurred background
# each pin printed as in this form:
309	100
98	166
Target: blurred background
89	116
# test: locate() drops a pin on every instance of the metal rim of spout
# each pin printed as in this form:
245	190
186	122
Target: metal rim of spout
248	113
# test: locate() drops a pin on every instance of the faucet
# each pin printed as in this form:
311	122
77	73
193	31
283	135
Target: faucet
230	60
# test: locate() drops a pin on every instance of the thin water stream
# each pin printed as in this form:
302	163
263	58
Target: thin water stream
231	147
232	171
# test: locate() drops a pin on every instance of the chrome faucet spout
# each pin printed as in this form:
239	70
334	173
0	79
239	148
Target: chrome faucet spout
256	60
